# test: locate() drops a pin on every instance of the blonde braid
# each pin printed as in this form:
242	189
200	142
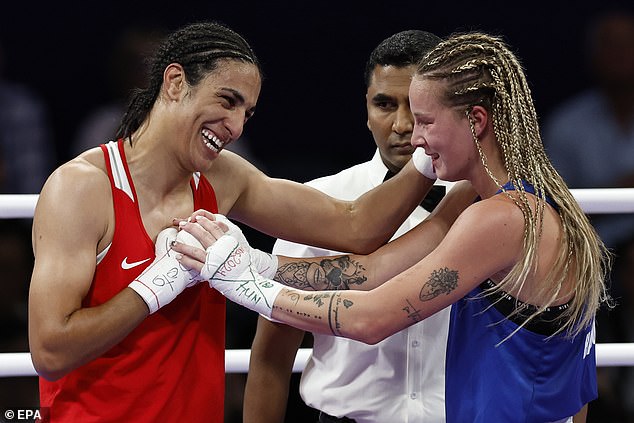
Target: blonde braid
479	69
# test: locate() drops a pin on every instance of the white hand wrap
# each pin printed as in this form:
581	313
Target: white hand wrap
264	263
423	163
164	241
229	270
165	278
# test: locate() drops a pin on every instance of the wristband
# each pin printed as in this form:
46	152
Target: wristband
423	163
165	278
164	240
229	270
160	282
264	263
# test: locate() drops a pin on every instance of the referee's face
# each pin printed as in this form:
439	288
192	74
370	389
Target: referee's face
389	117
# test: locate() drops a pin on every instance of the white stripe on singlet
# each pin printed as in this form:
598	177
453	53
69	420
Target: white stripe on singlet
120	179
118	170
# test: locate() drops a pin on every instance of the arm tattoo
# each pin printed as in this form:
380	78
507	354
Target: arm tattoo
337	273
413	313
296	297
334	309
441	281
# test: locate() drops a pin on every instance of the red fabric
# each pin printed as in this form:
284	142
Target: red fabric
171	367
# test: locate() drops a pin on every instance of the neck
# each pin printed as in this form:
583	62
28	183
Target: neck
481	180
154	165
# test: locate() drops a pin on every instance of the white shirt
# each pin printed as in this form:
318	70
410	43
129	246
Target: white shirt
400	379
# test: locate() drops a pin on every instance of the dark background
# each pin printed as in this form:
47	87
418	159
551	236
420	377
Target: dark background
311	118
311	114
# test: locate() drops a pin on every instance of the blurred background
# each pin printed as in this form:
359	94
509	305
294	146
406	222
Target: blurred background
66	69
311	111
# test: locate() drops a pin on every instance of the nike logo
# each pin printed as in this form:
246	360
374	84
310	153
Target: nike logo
125	265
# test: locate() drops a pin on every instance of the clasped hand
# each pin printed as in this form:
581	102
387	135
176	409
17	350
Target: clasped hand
229	263
208	230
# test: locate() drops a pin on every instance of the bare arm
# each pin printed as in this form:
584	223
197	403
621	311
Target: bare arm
272	356
360	272
472	251
70	219
581	416
299	213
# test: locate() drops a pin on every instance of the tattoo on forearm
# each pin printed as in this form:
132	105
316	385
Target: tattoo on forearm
412	312
293	295
335	312
441	281
338	273
332	314
317	299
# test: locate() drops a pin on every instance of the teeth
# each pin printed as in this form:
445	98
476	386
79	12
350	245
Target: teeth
211	141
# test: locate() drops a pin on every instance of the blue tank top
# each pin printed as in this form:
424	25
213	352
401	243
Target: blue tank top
531	377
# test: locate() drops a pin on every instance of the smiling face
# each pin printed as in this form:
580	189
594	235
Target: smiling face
389	117
441	130
213	113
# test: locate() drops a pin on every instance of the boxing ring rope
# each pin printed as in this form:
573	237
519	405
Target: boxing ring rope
592	201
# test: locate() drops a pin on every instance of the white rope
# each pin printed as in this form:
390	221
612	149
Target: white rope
592	200
17	205
237	361
605	200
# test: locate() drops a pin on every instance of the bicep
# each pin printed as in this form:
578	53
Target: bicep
277	207
292	211
472	251
67	226
361	272
407	250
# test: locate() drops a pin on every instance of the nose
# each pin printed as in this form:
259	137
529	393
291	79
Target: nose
234	124
403	121
417	139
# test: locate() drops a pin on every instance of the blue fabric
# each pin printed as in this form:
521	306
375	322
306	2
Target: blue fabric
527	378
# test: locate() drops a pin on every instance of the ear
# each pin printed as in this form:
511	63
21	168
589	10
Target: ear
480	118
174	83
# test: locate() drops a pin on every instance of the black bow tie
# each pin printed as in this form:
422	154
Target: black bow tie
433	197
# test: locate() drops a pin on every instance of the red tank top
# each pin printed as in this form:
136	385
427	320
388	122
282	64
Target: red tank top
171	367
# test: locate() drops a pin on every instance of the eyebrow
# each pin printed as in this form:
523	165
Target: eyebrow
382	97
239	98
237	94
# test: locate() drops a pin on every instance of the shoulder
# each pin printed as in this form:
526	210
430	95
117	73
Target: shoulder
233	177
88	167
485	239
495	219
229	164
83	179
75	205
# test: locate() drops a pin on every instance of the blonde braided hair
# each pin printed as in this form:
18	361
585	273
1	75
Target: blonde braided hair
479	69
